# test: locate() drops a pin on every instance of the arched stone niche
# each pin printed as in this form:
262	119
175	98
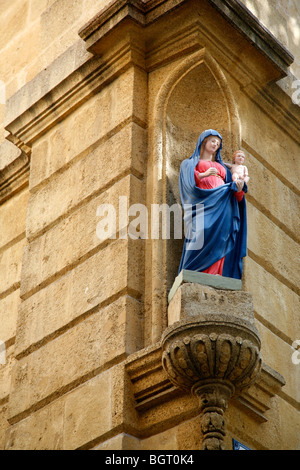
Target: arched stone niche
194	97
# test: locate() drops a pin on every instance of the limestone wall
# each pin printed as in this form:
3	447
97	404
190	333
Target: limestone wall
77	312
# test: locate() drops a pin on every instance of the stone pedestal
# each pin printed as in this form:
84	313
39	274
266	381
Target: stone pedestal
211	347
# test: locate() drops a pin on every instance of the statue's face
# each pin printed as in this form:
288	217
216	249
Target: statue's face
239	158
212	144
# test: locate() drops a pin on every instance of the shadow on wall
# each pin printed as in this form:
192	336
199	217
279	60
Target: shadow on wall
282	19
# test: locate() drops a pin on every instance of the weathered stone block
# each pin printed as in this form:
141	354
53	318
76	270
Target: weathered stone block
15	59
82	423
94	120
9	153
107	393
102	338
67	425
276	199
265	239
278	354
10	264
61	247
37	7
191	300
5	372
273	149
64	424
91	174
289	431
3	425
8	315
14	21
57	19
12	218
42	430
120	442
115	269
278	307
183	436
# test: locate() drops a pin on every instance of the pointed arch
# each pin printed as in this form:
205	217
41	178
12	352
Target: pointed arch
194	96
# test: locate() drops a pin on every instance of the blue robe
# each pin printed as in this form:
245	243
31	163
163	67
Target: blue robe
225	219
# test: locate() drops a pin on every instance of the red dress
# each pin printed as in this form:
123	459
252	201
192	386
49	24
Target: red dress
208	183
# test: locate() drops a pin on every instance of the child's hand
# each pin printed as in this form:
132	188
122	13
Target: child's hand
239	185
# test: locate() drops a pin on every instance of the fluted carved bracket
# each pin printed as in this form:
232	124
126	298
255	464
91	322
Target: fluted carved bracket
191	354
213	351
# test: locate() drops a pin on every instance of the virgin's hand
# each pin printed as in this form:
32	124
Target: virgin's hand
211	172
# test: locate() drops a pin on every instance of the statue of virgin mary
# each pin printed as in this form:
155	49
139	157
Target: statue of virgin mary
218	244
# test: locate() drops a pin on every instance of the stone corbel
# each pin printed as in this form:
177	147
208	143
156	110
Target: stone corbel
157	399
215	358
211	348
209	354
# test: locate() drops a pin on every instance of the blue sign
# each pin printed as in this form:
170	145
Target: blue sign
239	446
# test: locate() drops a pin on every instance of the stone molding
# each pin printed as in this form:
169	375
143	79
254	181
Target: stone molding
77	74
247	24
14	173
35	108
152	389
66	96
145	13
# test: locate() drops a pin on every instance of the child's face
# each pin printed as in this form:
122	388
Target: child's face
239	158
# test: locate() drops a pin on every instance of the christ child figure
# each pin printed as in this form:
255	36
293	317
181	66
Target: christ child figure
238	170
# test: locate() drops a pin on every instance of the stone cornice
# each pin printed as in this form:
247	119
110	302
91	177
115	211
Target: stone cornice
120	36
242	19
15	173
74	76
26	124
274	103
152	390
145	13
138	11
